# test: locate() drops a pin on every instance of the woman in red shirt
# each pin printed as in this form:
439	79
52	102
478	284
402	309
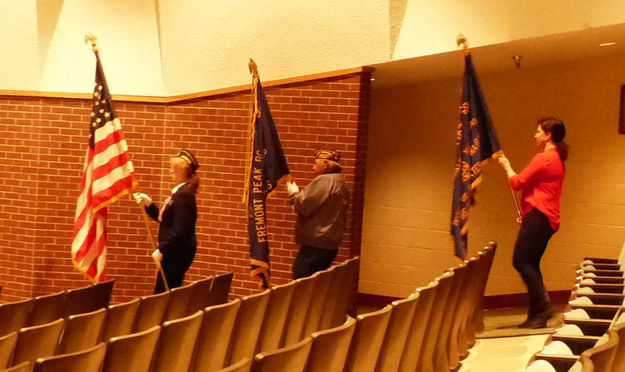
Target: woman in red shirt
540	184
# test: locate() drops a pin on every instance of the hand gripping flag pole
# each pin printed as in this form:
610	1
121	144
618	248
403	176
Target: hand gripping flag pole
92	39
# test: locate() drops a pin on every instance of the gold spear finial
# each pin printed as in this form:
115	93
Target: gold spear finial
461	40
253	68
92	39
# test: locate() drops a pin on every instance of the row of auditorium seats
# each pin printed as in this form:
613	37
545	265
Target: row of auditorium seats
78	332
204	340
592	336
446	312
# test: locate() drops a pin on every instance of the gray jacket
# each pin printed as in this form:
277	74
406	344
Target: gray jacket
321	208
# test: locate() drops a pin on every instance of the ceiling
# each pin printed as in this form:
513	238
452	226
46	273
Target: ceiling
534	52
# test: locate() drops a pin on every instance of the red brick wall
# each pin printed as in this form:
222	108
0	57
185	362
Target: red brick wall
42	149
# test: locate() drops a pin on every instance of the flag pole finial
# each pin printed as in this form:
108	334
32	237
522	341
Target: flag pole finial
253	68
461	40
90	38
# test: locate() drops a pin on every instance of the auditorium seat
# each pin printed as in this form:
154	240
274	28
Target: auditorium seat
14	315
7	345
22	367
47	308
220	289
132	352
602	355
397	333
201	293
330	347
317	300
178	303
37	341
82	331
368	337
247	326
331	301
462	336
211	349
416	333
291	358
428	348
151	311
348	291
78	300
87	360
120	318
101	294
243	365
176	343
294	326
444	356
487	255
275	316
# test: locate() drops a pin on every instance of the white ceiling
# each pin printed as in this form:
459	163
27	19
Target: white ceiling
499	57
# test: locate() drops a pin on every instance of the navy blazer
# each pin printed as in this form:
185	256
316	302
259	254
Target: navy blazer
176	234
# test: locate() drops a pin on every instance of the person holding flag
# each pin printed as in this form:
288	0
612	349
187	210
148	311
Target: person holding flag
321	208
541	188
177	217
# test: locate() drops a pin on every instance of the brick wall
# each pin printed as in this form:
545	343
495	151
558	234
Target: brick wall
42	149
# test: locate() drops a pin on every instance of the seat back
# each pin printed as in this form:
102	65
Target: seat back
347	293
463	335
298	309
481	279
416	334
151	311
87	360
14	315
201	291
132	352
37	341
47	308
213	340
443	350
78	300
220	289
243	365
397	333
332	296
7	345
179	302
247	326
602	356
275	316
318	296
329	347
291	358
120	319
101	294
176	343
367	340
426	359
22	367
82	331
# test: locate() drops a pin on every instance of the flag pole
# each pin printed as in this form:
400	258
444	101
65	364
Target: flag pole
152	241
461	40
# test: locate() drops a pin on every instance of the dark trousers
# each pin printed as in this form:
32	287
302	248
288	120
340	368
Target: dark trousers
530	246
174	267
309	260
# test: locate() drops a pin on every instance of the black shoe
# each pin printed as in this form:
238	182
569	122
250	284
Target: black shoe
537	321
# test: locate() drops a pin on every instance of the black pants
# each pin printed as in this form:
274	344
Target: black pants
174	268
530	246
309	260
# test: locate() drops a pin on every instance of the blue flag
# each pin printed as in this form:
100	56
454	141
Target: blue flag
268	165
476	142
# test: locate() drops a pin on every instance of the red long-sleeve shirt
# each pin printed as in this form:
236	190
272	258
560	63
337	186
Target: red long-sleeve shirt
541	185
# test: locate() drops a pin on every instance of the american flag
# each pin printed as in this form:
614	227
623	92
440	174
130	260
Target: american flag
108	175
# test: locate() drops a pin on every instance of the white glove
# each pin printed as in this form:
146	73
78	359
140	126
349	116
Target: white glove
157	256
142	198
291	188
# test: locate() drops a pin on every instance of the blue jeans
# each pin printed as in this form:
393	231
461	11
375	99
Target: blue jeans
530	246
309	260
